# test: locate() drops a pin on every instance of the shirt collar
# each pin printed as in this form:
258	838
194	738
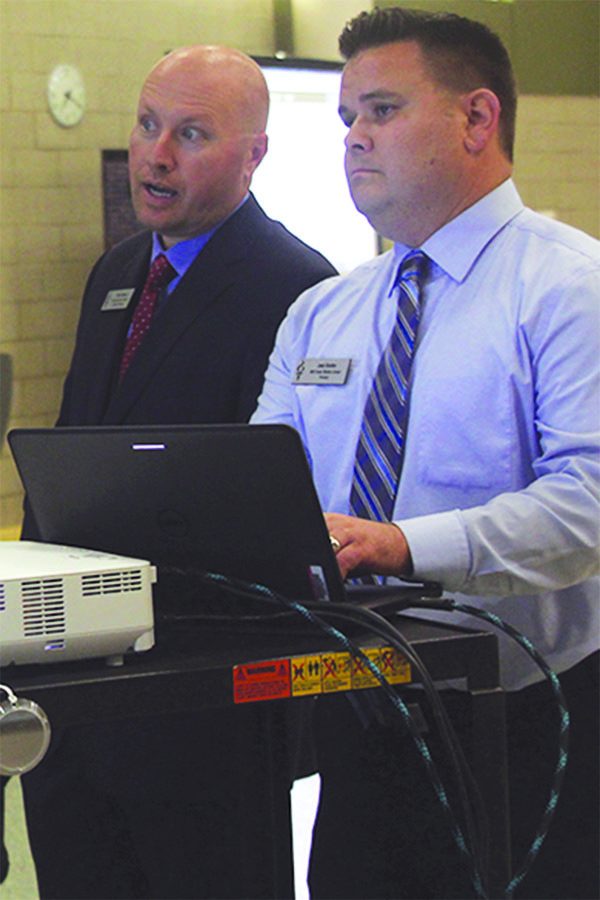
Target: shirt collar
183	254
456	246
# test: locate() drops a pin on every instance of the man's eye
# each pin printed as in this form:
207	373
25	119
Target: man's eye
191	133
383	110
147	124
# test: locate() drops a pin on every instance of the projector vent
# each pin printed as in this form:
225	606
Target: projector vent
43	603
111	583
2	598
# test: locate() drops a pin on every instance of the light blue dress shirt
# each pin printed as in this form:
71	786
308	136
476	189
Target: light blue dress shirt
499	493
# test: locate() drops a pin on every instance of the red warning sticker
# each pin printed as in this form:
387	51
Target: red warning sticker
267	680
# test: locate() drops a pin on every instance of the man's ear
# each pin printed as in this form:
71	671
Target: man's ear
482	111
256	153
259	148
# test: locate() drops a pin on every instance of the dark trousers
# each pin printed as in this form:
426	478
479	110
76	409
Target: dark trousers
380	831
568	865
164	807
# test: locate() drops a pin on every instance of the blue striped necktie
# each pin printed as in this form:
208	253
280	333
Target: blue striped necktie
381	441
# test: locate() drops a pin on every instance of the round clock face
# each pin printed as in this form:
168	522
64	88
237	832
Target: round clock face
66	95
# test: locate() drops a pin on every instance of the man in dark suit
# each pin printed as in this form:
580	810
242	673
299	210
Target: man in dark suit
191	161
151	808
204	357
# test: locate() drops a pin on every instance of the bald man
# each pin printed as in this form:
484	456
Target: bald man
199	136
150	808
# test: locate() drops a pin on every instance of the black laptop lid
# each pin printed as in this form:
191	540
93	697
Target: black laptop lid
233	499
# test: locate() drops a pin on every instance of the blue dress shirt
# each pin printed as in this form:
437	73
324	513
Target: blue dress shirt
182	255
499	493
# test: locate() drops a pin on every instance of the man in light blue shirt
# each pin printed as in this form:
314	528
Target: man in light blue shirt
498	497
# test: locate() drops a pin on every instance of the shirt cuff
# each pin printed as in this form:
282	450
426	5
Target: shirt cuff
439	548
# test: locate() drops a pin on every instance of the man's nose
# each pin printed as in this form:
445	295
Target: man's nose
162	152
358	137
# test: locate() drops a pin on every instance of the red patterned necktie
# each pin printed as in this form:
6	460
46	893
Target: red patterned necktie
160	274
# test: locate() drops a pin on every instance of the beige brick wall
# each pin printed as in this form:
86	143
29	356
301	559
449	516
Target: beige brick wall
50	193
557	156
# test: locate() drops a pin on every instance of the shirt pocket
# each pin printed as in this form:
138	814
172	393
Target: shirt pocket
465	434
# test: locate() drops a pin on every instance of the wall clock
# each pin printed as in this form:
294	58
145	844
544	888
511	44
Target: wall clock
66	95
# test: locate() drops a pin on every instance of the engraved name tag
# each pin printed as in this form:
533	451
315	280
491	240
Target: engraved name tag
118	299
322	371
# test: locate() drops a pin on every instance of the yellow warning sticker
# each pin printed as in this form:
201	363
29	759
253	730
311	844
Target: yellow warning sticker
387	661
394	666
325	673
306	675
336	674
362	675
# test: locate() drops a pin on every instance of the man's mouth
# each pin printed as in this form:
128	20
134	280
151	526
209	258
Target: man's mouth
361	171
159	191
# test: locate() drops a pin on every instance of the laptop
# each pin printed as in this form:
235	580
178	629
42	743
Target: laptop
236	500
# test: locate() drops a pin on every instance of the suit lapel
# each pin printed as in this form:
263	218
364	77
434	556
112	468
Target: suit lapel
102	332
209	276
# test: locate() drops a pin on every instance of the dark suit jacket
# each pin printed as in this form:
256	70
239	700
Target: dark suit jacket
204	358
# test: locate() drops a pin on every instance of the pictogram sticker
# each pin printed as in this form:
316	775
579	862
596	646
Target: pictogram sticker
268	680
388	661
336	675
306	675
362	675
394	666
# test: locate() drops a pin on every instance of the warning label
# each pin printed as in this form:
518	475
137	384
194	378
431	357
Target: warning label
261	681
337	672
393	666
387	661
362	675
318	673
306	675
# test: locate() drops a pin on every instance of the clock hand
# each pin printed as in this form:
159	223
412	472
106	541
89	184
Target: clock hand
69	96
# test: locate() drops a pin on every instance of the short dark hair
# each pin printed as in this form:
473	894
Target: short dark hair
461	54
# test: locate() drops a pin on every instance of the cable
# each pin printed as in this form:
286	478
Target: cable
563	738
477	854
564	724
477	828
471	848
445	603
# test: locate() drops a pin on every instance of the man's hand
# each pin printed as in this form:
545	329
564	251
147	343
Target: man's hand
367	546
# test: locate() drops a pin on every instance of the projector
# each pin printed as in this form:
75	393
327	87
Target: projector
62	603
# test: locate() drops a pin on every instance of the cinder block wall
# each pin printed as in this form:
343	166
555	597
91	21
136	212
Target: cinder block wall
557	155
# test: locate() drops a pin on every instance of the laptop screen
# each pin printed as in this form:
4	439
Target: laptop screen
233	499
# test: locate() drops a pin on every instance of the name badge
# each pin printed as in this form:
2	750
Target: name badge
322	371
118	299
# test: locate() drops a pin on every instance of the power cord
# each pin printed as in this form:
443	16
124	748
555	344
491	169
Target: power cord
475	848
563	737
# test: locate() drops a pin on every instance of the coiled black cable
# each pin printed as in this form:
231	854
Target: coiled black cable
475	848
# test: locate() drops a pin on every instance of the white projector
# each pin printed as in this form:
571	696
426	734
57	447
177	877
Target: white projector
63	603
